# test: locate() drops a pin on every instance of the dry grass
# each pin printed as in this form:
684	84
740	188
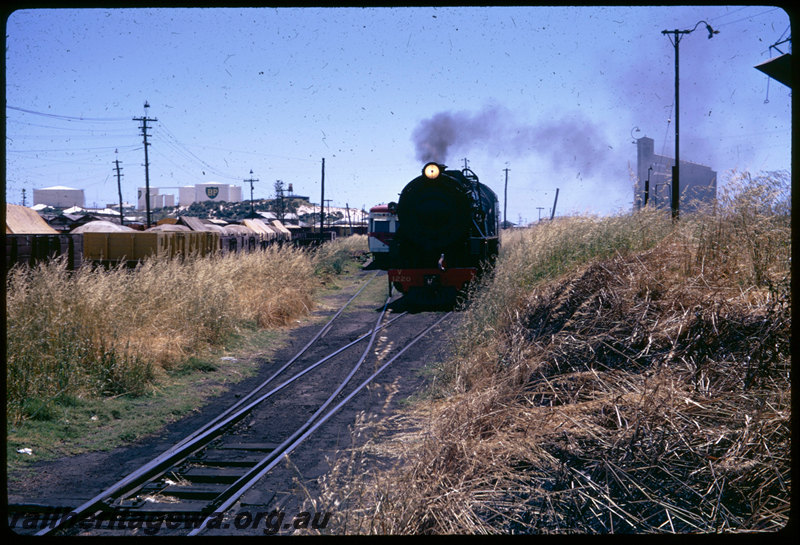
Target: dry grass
334	258
94	332
631	389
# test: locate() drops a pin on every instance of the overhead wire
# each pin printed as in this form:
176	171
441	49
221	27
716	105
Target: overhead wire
67	117
749	17
181	149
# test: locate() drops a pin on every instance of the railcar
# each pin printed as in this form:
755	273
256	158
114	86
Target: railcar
380	233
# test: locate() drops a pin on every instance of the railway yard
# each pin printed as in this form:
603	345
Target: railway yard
249	458
616	375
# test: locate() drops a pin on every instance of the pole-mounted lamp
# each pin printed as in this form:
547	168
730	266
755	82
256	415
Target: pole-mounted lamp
675	39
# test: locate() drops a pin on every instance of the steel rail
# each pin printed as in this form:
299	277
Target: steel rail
261	386
194	442
234	488
255	474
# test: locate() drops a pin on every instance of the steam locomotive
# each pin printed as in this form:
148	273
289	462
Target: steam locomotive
446	230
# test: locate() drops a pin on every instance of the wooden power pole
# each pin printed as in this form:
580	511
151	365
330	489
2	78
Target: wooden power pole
144	121
251	181
119	190
505	201
322	201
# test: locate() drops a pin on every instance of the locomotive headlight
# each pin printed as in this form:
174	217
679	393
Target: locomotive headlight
431	171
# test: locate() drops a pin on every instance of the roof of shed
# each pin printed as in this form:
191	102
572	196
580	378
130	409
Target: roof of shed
22	220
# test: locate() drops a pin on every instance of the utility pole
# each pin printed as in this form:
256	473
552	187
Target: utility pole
144	121
540	208
675	39
322	201
505	201
119	189
553	214
250	181
466	163
23	196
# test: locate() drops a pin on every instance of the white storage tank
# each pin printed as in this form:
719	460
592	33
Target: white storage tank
212	191
59	196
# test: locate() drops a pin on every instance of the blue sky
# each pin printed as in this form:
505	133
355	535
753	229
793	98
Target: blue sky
554	94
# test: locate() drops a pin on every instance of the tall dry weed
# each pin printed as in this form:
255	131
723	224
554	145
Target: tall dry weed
98	332
746	235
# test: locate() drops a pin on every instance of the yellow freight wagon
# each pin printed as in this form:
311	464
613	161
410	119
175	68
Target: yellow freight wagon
136	246
125	246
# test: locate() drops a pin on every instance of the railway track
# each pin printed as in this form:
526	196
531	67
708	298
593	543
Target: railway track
197	482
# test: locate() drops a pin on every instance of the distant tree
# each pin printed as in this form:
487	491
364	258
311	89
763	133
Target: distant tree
281	206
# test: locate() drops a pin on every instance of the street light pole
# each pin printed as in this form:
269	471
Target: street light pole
676	39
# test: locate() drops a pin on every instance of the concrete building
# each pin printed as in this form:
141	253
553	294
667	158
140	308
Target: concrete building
698	183
59	196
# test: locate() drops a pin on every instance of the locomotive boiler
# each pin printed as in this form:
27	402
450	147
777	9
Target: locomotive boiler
447	232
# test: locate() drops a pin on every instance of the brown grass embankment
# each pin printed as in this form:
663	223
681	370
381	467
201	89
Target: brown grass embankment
638	389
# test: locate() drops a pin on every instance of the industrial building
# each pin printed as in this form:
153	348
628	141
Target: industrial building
59	196
698	183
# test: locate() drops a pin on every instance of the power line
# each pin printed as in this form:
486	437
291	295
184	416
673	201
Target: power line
72	128
743	18
59	116
728	14
131	147
181	148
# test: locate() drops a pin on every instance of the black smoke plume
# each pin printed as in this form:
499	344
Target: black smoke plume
570	142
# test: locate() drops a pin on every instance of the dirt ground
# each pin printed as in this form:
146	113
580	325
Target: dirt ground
70	481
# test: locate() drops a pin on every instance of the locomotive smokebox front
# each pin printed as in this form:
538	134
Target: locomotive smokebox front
434	214
447	232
